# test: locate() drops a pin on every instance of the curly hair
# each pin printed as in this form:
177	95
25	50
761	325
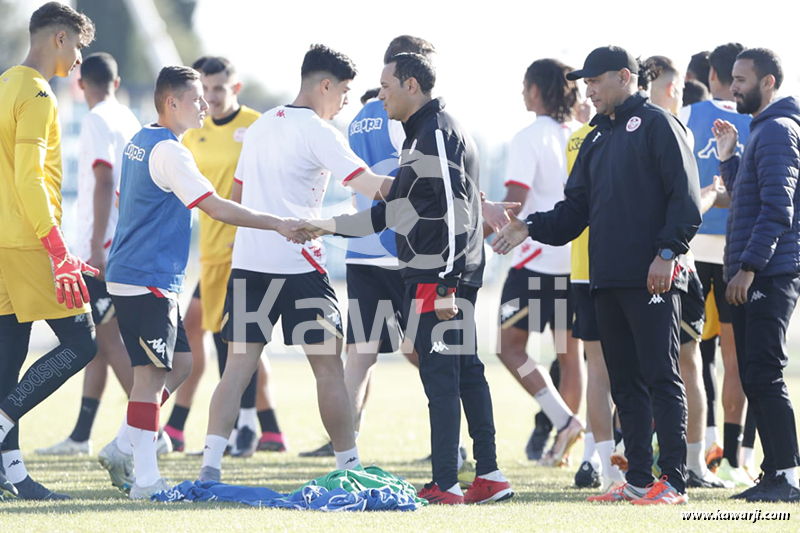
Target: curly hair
559	95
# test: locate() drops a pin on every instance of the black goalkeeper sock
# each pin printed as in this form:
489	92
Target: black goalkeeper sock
83	428
268	421
177	419
732	441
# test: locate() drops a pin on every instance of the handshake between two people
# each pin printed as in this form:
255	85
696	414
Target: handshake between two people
496	215
300	231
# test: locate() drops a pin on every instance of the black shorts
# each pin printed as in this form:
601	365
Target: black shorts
305	303
585	325
711	275
103	310
151	328
693	310
369	287
550	293
196	293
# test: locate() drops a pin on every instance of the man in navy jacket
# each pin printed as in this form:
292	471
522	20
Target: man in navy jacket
762	258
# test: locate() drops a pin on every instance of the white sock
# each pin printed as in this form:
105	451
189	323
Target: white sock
749	457
588	447
6	425
609	472
455	489
695	460
15	467
248	417
711	436
791	476
123	439
554	407
460	460
494	476
347	460
214	450
145	461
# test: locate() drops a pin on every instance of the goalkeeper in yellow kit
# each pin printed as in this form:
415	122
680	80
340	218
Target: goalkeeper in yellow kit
39	278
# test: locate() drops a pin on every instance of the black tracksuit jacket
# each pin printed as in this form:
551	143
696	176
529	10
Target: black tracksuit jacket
635	184
437	220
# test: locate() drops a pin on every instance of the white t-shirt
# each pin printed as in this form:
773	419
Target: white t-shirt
172	169
537	160
105	131
288	156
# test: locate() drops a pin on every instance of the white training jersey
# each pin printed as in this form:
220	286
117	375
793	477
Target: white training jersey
288	156
105	131
537	160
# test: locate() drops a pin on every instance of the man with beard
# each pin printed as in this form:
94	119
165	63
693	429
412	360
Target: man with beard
762	258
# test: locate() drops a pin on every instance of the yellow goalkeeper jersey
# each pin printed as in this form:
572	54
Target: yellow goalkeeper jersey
216	148
580	246
30	159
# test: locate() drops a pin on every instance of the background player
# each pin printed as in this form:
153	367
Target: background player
535	177
105	131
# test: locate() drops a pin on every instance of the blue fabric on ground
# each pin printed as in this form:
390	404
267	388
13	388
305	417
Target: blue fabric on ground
391	497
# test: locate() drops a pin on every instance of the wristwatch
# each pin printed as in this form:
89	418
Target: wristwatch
444	290
666	254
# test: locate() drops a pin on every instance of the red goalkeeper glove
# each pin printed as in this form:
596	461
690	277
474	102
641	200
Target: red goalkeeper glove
67	270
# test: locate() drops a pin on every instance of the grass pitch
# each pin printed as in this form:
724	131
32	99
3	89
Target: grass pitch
395	433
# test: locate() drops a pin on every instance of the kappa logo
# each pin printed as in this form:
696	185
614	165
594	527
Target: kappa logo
102	305
281	113
633	124
134	153
15	462
42	94
656	299
710	150
80	318
507	311
757	295
335	318
366	125
351	460
439	347
158	345
697	325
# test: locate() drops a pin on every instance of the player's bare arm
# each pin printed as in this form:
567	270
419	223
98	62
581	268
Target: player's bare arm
232	213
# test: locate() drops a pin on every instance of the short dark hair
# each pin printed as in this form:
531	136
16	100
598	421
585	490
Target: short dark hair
174	81
722	59
199	62
99	69
559	95
58	14
699	67
369	95
693	92
408	65
765	62
215	65
320	58
660	65
410	44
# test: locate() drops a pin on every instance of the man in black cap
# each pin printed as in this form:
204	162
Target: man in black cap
635	183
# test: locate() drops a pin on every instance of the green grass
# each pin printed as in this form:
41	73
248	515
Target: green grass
394	434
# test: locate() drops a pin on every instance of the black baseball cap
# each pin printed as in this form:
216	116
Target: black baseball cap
604	59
